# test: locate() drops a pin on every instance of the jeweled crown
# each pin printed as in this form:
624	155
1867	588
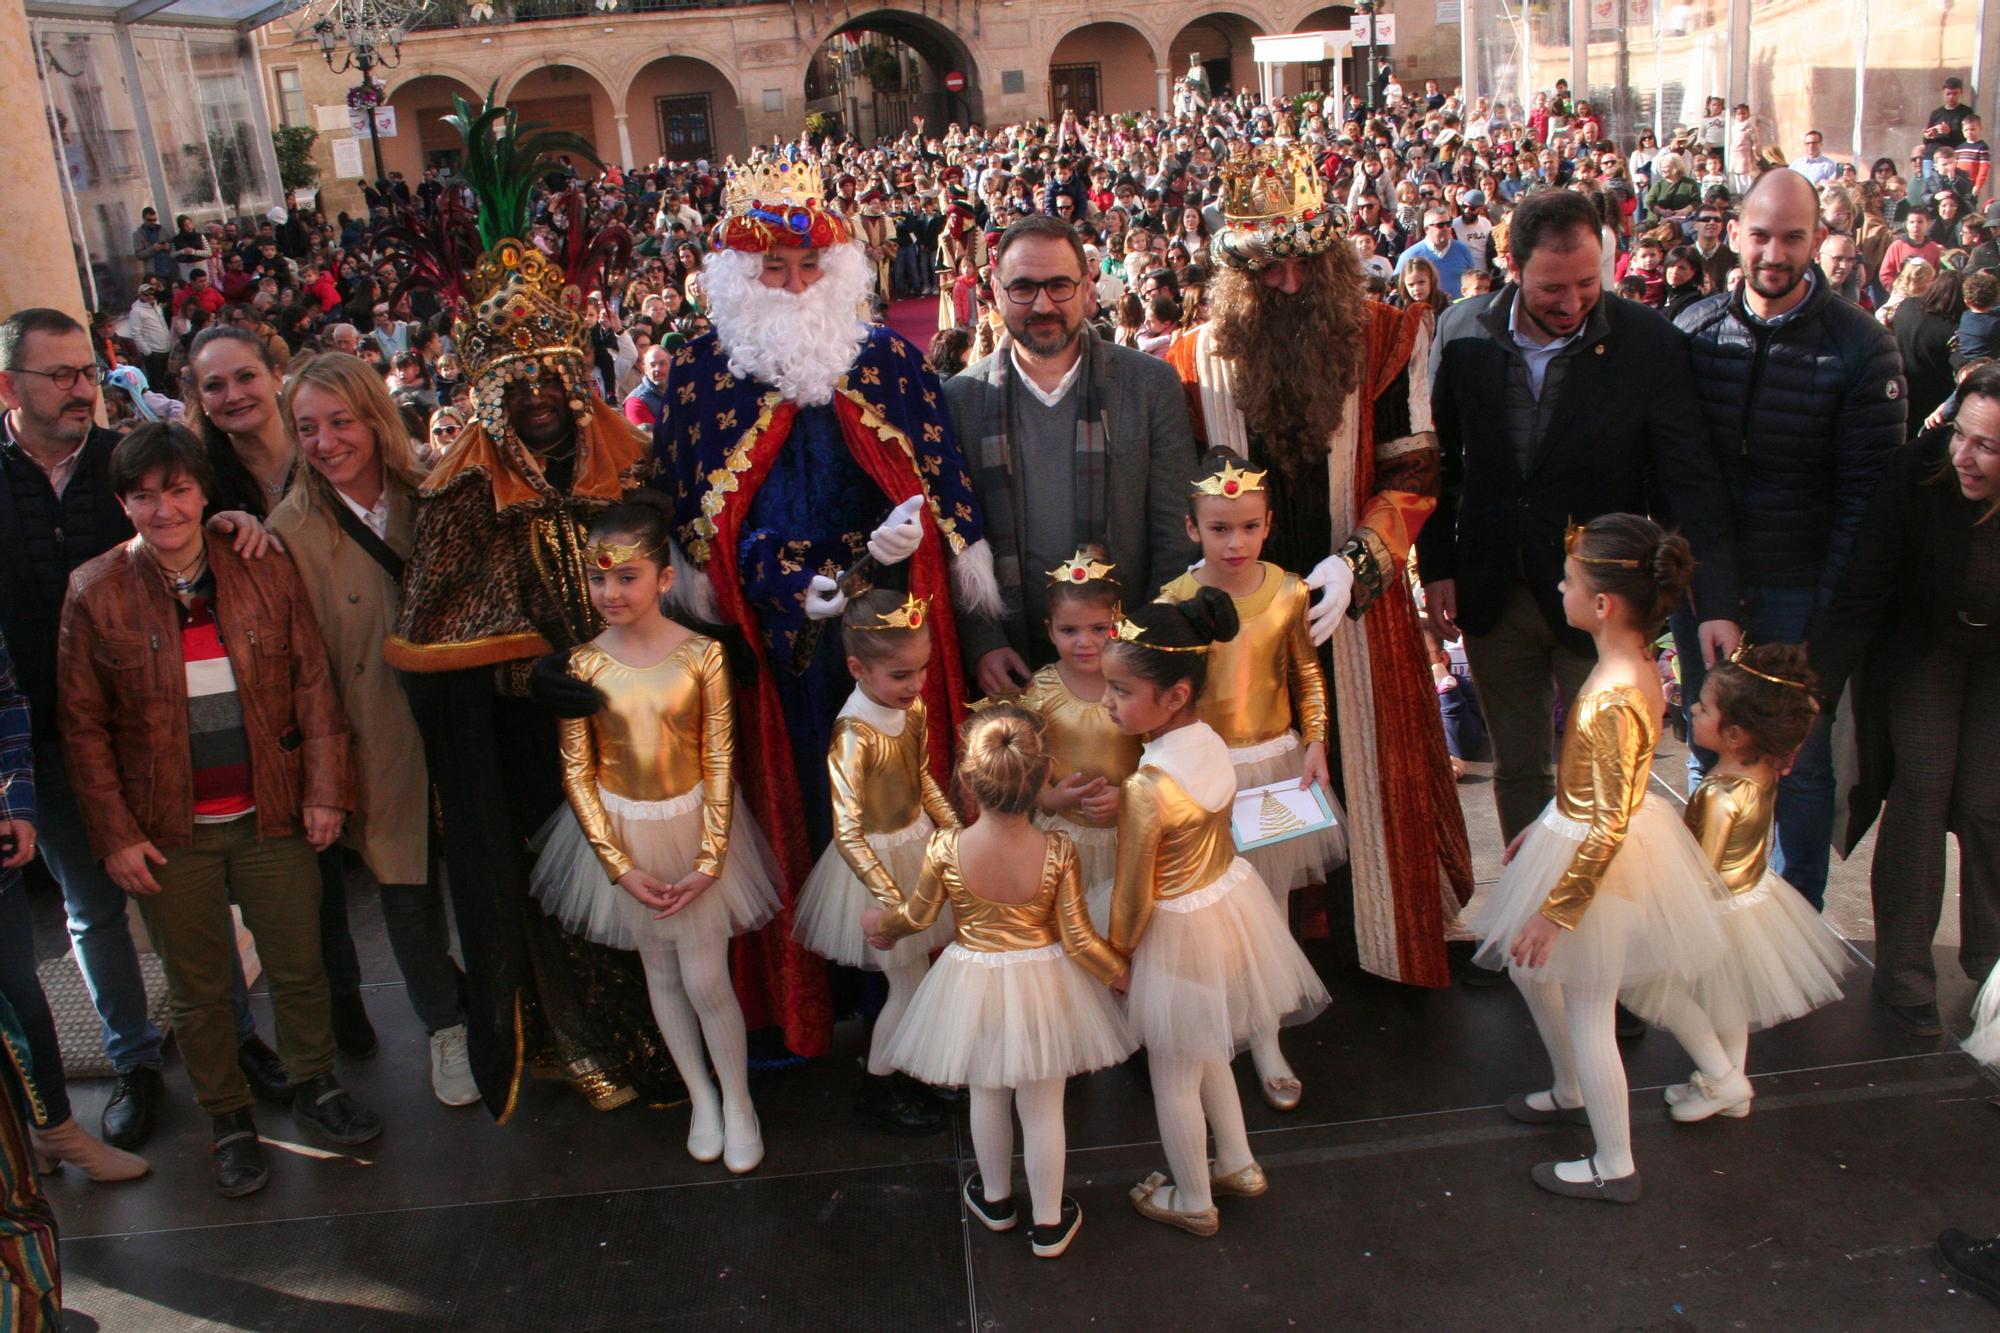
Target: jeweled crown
1080	568
1231	483
912	614
770	204
1263	183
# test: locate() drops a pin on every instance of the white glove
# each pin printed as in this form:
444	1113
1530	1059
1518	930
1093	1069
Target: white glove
1333	578
900	534
824	599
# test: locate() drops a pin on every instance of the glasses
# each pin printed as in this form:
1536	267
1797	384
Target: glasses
65	377
1023	291
443	429
1709	219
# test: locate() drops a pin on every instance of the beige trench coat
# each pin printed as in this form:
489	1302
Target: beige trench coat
355	602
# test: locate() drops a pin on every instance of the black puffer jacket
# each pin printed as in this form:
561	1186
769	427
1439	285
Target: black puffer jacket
1803	414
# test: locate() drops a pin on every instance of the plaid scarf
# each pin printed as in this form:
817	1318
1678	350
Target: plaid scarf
1003	489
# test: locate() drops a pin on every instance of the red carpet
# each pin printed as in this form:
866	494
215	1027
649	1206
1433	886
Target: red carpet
915	319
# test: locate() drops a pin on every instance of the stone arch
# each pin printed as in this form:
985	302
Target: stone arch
939	48
1204	29
1102	63
422	140
401	78
525	69
560	92
683	106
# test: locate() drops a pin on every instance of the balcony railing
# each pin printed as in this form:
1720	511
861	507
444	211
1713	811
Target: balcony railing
458	13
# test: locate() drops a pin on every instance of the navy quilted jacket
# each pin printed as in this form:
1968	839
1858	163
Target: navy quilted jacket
1803	415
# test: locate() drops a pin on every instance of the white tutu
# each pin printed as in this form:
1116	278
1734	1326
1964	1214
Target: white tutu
828	917
998	1020
1783	961
1655	915
1984	1043
663	838
1218	968
1096	863
1295	862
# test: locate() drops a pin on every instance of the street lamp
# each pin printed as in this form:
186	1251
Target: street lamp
371	33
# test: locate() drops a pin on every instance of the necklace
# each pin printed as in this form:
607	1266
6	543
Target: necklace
272	488
184	579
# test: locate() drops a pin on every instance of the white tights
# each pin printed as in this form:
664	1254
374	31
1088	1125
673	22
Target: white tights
1192	1097
1043	1143
1718	1049
903	981
1579	1026
694	1002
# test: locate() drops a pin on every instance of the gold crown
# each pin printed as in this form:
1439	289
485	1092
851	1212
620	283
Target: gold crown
774	204
1080	568
1231	483
1264	183
609	555
1128	632
772	185
910	615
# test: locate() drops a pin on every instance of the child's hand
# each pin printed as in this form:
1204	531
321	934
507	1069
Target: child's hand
1122	986
1532	945
1067	794
1100	803
1316	768
1513	847
651	892
684	891
871	921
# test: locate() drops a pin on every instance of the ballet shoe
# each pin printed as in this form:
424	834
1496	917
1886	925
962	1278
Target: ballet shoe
1245	1184
1282	1092
1196	1222
1704	1097
1520	1109
742	1156
705	1133
1624	1189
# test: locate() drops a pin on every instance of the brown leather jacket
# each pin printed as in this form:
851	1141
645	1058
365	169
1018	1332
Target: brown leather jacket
122	690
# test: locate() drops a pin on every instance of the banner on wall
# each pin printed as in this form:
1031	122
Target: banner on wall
347	159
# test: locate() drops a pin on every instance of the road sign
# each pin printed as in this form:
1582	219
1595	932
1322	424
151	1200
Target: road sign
385	121
1385	29
954	82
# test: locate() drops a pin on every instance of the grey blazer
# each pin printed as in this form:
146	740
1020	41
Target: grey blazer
1150	454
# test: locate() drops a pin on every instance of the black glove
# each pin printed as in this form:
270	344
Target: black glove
551	686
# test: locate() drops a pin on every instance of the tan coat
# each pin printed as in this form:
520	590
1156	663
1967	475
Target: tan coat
355	602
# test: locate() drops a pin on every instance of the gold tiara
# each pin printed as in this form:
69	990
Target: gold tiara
1128	632
1080	568
609	555
910	615
1743	649
1231	482
1573	537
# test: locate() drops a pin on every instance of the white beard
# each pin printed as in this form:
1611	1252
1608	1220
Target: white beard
800	343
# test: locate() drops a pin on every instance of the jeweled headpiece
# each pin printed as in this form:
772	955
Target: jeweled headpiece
912	614
1573	538
1273	208
1231	482
610	555
1742	650
775	204
1131	632
1080	568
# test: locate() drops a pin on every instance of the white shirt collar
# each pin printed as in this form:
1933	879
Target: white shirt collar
1198	762
1063	386
376	518
889	721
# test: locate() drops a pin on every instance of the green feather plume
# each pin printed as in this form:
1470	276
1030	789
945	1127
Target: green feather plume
504	160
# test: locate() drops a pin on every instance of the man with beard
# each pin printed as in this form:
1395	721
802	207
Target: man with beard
1048	421
878	236
493	584
798	439
1804	400
1301	374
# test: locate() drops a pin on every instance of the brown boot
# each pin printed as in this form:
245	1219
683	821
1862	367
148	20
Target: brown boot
72	1143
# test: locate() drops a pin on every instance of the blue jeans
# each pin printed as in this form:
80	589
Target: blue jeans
1805	795
23	990
97	930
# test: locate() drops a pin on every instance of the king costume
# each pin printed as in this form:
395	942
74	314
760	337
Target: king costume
773	493
1363	499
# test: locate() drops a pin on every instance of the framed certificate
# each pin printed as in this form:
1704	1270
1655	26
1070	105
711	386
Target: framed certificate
1277	813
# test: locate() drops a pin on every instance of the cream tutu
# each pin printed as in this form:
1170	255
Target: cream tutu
1782	963
998	1020
1295	862
1096	863
1654	917
663	838
1984	1043
828	917
1218	968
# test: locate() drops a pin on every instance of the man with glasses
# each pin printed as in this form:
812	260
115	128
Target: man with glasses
1072	440
1450	256
1816	166
1712	253
1841	262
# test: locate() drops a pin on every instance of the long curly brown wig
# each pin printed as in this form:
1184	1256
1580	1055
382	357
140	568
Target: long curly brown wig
1297	357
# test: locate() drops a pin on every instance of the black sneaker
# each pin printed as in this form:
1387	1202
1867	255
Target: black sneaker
352	1031
1972	1263
134	1105
997	1216
265	1072
321	1102
240	1167
1050	1242
884	1105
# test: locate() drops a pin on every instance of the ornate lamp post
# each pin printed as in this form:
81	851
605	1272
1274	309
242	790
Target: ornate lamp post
366	35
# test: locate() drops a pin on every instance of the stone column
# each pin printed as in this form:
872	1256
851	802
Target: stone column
34	231
1166	92
624	139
